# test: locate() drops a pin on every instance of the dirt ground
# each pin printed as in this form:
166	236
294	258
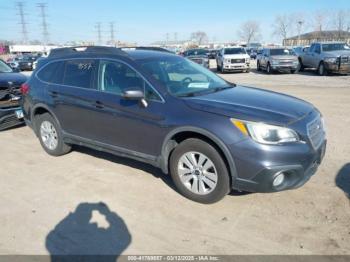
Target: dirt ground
52	205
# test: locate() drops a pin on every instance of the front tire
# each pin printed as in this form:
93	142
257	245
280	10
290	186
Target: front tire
50	135
321	70
268	69
199	172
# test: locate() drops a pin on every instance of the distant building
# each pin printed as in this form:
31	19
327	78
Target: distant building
317	36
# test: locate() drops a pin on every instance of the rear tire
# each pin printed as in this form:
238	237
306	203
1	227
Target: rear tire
292	71
199	172
50	135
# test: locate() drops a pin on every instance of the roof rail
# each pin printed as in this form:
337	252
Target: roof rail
150	48
57	52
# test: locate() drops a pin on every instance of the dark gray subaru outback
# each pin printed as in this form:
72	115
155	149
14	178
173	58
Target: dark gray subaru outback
212	136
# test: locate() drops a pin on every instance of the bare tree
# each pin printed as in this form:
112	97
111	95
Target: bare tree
320	22
283	26
341	20
199	37
249	31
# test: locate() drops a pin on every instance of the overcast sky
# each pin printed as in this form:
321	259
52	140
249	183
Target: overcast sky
146	21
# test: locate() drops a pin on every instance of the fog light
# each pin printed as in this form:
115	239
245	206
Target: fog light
278	180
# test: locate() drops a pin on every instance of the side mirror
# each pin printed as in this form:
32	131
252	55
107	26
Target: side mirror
135	94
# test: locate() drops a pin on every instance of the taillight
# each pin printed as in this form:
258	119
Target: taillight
24	89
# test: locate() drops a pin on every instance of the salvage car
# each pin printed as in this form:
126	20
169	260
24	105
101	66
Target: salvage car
210	135
277	59
231	59
199	56
10	94
327	57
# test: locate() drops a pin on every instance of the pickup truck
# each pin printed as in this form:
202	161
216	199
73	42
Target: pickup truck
326	57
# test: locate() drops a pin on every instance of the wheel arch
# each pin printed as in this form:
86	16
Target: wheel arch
40	109
180	134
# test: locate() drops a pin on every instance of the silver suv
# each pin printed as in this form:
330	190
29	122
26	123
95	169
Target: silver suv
277	59
333	57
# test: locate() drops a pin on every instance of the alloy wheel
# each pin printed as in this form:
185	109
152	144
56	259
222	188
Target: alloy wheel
197	173
49	135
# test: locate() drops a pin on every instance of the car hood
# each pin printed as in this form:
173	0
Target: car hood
236	56
337	53
284	57
252	104
15	79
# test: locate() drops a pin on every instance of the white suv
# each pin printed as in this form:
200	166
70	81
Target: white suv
233	59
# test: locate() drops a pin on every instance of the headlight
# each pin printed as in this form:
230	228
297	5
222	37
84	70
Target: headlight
266	134
275	62
227	60
330	60
247	60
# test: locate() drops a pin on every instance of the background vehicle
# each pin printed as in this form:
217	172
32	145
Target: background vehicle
172	113
300	49
25	63
277	59
10	95
213	53
326	57
233	59
199	56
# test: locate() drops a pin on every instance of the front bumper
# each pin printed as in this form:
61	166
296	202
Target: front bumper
296	175
336	68
8	118
236	67
284	68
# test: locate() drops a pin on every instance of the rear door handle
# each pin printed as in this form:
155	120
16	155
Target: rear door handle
53	94
98	104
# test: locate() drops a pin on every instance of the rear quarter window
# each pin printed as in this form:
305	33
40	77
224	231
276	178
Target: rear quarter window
52	73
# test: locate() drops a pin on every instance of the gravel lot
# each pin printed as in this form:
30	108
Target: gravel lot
40	195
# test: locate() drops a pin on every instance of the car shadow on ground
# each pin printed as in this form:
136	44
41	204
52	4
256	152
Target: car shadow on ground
342	179
91	233
156	172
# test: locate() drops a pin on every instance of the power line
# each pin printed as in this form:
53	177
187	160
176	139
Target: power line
42	7
24	32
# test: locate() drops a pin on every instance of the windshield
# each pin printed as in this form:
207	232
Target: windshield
281	52
234	51
196	52
4	68
183	77
335	47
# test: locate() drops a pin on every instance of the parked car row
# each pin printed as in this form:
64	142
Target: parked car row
324	57
23	62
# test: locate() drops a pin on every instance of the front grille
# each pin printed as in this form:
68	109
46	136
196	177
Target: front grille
345	59
316	132
237	61
286	62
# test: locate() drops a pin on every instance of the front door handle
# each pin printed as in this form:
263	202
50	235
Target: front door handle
98	104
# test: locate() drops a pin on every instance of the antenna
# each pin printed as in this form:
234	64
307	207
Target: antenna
42	7
20	6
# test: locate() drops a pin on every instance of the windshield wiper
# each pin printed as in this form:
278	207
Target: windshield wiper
207	91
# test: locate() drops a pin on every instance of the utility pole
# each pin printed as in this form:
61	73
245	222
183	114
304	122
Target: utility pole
99	35
45	32
22	22
111	24
300	24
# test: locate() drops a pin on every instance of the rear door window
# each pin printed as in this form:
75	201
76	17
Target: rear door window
79	73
